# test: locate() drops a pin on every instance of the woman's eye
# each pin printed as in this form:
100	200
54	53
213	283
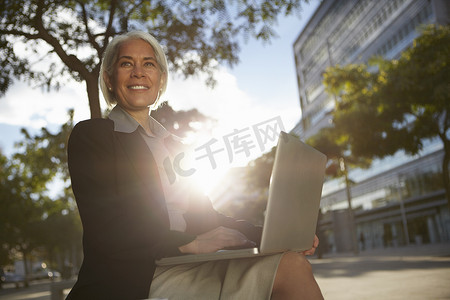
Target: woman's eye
149	64
125	64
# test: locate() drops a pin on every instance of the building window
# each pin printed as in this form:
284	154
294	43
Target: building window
423	16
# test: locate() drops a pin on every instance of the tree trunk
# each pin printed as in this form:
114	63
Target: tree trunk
93	96
445	172
25	267
350	208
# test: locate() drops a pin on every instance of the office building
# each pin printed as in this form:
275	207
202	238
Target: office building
400	199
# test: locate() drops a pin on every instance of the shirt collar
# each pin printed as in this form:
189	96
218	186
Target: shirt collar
125	123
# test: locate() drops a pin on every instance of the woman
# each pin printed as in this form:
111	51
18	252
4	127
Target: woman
132	215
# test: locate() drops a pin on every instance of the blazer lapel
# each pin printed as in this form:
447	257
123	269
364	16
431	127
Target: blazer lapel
144	164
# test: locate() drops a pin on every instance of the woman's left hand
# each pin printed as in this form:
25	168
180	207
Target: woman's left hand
314	246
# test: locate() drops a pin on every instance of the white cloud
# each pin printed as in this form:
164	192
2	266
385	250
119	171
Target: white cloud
227	102
231	106
31	107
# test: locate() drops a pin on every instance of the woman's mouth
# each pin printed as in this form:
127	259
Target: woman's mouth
138	87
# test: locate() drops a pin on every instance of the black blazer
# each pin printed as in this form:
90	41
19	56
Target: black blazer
122	208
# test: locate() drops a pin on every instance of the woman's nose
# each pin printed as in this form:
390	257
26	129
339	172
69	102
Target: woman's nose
137	72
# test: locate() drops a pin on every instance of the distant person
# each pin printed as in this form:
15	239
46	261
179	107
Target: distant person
362	240
132	215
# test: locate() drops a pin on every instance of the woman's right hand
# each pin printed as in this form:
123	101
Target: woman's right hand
216	239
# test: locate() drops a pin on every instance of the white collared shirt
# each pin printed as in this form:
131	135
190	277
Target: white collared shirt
175	190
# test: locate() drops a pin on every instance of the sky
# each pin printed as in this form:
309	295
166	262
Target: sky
261	87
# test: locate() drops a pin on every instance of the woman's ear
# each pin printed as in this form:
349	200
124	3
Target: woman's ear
107	81
163	80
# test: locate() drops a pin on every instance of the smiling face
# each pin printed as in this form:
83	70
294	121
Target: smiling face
136	78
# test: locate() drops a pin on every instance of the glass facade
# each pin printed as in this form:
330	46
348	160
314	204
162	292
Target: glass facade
400	199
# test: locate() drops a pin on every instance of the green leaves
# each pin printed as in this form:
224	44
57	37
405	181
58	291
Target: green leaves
386	106
25	206
398	103
197	35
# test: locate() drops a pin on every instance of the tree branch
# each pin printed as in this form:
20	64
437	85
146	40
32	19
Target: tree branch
109	29
136	5
15	32
71	61
91	38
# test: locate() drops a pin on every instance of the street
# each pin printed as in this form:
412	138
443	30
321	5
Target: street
38	290
413	272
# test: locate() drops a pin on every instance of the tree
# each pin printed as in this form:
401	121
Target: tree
386	106
257	176
259	171
60	234
21	209
26	209
340	161
197	35
181	123
5	258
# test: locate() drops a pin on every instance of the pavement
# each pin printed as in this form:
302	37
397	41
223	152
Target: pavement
410	272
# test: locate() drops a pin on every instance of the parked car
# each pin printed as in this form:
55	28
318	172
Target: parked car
16	279
43	273
52	274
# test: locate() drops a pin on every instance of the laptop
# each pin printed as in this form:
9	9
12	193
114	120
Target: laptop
292	208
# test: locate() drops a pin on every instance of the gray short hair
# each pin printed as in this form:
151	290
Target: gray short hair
111	54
